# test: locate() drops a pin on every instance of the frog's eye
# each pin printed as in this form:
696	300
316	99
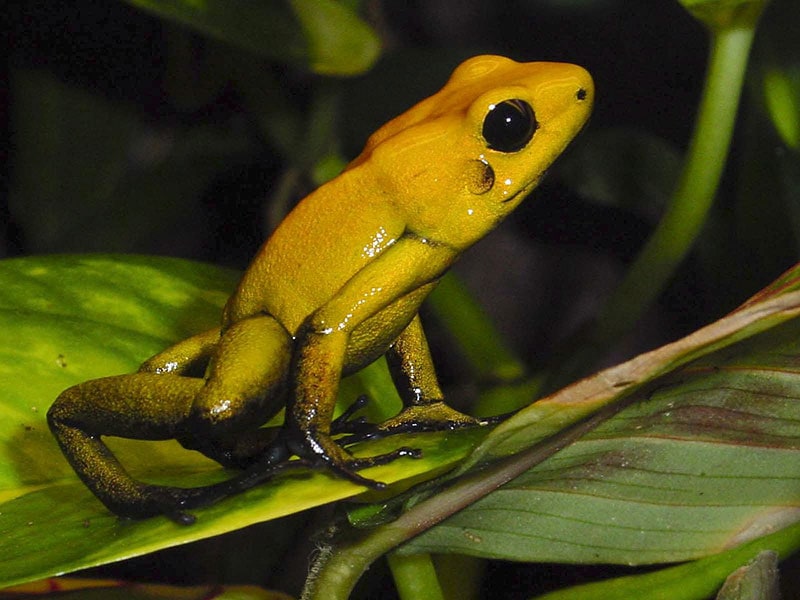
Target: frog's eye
509	125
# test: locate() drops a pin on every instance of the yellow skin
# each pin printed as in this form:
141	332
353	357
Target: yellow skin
336	286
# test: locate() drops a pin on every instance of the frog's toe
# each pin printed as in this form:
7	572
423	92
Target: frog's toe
348	469
384	459
346	423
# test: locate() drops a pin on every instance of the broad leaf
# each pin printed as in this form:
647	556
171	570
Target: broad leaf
67	319
112	589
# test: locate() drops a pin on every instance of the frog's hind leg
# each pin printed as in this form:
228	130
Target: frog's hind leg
149	406
188	357
142	406
246	385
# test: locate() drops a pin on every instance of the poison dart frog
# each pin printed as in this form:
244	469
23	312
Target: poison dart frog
337	285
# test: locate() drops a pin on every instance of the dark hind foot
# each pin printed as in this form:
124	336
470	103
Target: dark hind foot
175	502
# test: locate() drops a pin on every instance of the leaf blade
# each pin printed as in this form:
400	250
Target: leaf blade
703	458
66	319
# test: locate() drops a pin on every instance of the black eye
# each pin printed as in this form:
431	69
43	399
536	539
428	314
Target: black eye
509	125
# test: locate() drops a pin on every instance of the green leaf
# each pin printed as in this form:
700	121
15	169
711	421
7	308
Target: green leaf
777	303
691	467
782	99
691	581
323	35
67	319
339	43
705	456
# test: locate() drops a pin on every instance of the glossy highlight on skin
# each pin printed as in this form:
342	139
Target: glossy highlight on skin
337	285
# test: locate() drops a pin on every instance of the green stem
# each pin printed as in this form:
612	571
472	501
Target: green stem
474	332
690	203
496	367
415	577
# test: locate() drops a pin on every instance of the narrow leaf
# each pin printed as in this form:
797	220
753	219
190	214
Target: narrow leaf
704	457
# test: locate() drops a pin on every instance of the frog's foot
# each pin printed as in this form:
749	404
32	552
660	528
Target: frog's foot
348	467
235	451
174	502
436	416
319	450
156	500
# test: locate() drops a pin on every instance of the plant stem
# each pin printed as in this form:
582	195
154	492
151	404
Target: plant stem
688	208
476	335
415	577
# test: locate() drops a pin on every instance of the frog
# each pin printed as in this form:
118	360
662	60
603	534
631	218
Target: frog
337	285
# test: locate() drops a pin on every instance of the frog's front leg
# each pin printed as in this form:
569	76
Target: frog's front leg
414	376
385	291
307	430
243	386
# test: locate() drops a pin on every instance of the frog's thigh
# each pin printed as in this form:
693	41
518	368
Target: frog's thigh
141	406
246	379
184	356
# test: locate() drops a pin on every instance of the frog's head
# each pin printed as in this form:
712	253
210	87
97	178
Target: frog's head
458	162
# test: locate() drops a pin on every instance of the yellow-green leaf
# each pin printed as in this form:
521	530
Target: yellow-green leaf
67	319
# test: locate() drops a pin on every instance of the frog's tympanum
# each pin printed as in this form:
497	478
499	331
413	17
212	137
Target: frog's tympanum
337	285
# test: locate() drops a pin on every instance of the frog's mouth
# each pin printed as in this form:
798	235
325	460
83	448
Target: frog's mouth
525	189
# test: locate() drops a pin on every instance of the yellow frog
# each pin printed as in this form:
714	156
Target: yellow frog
337	285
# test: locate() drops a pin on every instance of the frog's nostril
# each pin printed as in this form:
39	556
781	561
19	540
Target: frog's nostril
582	94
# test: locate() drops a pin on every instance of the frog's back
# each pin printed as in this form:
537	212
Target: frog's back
327	238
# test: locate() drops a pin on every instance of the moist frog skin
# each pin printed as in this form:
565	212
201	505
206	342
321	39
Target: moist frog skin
337	285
